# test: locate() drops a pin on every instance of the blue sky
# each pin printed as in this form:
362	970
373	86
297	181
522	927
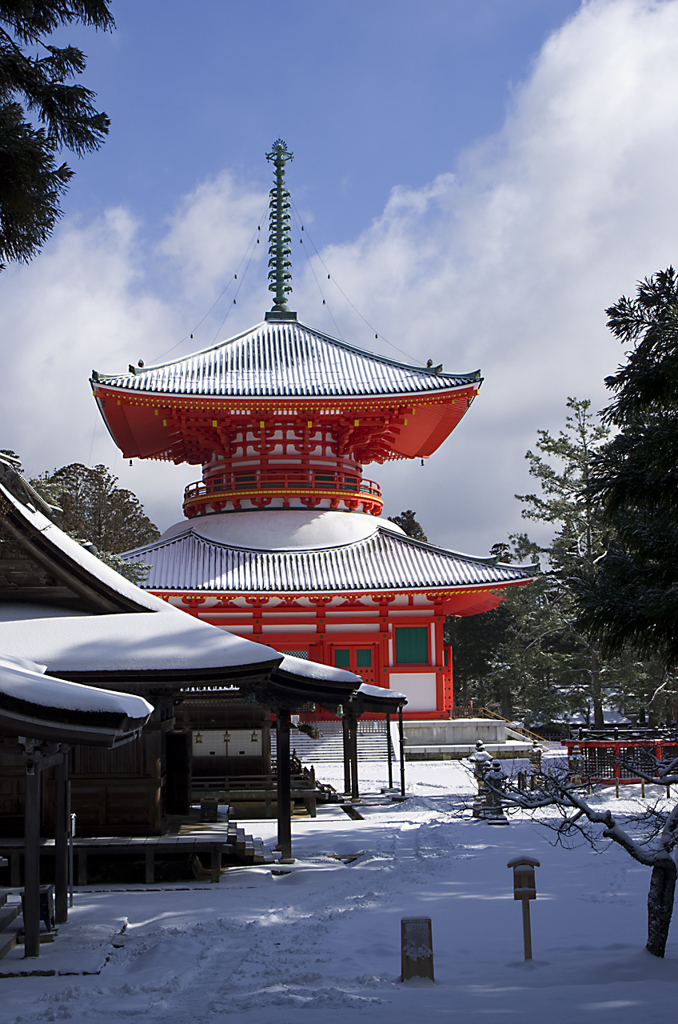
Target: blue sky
483	180
368	93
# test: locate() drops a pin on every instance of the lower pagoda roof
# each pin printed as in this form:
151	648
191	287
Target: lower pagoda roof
299	552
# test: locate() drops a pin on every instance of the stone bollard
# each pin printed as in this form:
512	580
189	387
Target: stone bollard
481	761
493	812
416	948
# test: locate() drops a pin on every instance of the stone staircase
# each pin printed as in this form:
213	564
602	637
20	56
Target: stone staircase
330	746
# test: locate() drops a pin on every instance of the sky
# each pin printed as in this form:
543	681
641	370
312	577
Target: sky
481	180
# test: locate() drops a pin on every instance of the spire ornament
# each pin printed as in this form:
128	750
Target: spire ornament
279	240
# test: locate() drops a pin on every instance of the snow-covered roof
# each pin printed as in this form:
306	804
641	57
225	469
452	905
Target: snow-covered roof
44	707
296	682
77	567
380	692
314	670
286	530
10	611
130	643
285	358
378	557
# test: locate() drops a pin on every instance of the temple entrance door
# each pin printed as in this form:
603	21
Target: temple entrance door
358	659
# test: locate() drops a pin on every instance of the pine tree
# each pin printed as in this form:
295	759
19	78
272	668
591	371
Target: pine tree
407	522
633	597
531	657
34	87
95	509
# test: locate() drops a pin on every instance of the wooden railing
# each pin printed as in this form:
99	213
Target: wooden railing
283	481
527	733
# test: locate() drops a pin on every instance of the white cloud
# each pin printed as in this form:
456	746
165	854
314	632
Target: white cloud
211	229
507	264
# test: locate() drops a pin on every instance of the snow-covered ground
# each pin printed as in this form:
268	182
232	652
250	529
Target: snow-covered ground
325	937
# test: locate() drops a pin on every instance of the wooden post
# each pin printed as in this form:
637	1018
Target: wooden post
402	751
525	889
283	778
72	818
31	908
527	930
353	733
416	948
388	751
61	830
15	869
347	754
215	864
642	788
82	866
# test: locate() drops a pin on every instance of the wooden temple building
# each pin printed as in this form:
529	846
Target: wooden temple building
283	541
64	612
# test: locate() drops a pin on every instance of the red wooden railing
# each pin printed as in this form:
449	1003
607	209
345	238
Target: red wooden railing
285	481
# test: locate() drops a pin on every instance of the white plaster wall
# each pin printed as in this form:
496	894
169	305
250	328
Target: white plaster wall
418	687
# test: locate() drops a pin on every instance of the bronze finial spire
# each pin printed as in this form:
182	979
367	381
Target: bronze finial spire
279	240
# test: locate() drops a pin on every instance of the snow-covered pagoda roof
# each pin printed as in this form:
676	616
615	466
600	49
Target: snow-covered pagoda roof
285	359
309	552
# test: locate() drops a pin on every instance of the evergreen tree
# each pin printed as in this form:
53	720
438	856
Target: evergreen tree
531	657
408	523
41	114
633	598
94	509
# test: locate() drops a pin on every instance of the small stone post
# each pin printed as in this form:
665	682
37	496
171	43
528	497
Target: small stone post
416	945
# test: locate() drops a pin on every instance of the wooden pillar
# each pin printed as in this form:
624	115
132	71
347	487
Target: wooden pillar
347	753
402	751
31	907
61	841
283	777
215	863
150	865
353	726
388	751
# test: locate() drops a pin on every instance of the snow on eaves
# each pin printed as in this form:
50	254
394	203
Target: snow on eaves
75	553
380	691
382	561
286	359
23	680
129	642
314	670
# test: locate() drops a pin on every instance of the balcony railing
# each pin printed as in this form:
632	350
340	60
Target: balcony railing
347	487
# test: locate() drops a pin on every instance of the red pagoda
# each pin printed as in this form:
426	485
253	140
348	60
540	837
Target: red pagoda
283	540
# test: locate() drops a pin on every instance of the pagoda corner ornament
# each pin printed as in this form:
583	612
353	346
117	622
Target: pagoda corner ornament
283	539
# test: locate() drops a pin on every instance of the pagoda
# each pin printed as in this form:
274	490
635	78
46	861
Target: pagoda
283	540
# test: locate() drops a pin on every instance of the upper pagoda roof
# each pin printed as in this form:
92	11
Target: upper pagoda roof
285	359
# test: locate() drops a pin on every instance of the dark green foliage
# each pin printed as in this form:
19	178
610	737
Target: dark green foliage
408	523
532	657
475	640
633	597
94	509
42	111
